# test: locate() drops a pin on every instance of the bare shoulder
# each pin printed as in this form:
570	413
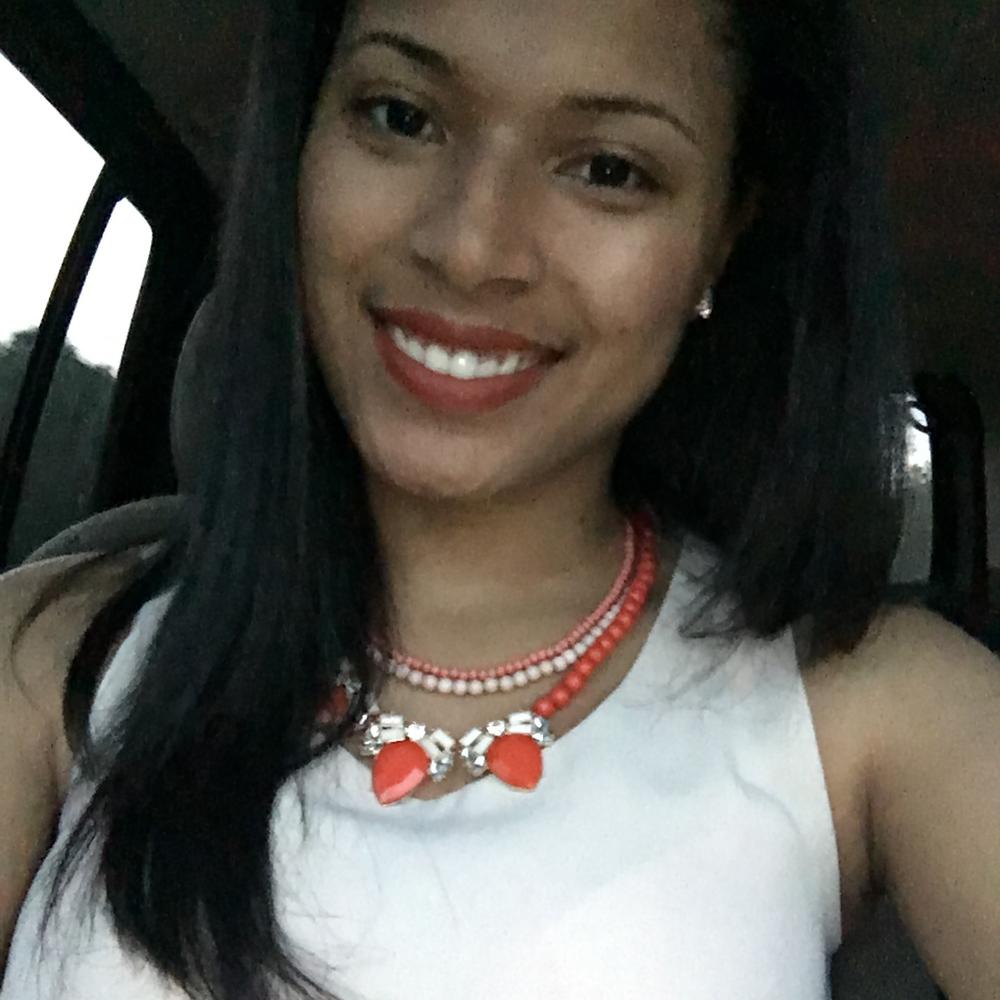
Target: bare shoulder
926	702
908	669
929	691
45	608
935	704
903	637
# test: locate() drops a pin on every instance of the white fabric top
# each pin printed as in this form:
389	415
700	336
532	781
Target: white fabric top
680	844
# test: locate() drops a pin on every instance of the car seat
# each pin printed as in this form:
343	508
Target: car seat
149	520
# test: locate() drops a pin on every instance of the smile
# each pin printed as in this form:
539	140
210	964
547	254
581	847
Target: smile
457	381
461	364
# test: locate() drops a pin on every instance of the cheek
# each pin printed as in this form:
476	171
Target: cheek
343	221
639	289
332	232
636	293
340	212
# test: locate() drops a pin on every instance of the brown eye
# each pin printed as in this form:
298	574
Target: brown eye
610	169
398	117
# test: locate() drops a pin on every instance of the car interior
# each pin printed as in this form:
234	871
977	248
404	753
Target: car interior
155	87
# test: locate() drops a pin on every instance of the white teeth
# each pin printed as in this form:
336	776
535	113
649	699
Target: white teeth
408	345
437	359
464	365
487	367
509	364
415	349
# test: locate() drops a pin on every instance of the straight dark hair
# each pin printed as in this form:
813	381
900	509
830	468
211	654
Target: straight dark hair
777	435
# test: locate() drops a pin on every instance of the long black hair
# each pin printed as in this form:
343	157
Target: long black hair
777	436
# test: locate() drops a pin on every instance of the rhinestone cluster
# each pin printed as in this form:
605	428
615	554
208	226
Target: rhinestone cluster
440	746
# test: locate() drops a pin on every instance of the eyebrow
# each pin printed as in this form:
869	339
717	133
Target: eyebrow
602	104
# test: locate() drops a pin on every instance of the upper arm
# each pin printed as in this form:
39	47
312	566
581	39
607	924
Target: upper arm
34	756
935	796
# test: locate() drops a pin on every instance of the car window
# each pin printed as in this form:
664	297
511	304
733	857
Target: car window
913	557
46	176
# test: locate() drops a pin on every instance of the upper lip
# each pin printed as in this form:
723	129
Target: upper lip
479	338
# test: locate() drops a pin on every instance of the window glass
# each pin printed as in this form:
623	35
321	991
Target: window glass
103	314
66	457
913	558
46	175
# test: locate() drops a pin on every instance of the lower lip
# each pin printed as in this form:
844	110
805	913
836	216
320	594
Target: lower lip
453	395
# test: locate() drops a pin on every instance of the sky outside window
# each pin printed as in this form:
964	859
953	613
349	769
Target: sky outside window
46	174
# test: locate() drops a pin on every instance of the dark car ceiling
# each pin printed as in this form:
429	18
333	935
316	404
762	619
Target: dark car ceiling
936	61
191	56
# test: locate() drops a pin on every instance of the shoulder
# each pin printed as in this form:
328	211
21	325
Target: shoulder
933	703
918	689
908	659
45	609
925	684
908	649
925	699
917	635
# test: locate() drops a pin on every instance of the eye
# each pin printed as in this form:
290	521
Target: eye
403	119
609	170
400	117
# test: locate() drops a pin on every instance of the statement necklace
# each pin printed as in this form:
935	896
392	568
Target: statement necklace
408	752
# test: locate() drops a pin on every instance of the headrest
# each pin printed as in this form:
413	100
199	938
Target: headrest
192	389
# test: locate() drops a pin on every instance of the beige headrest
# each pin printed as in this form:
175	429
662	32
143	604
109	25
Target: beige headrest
192	390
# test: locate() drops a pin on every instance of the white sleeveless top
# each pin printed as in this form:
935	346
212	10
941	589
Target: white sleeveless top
680	845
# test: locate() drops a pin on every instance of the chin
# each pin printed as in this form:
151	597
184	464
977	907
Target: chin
457	479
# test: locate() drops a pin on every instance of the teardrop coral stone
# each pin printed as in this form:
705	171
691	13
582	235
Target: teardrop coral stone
516	759
399	768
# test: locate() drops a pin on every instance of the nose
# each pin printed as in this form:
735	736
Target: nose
478	228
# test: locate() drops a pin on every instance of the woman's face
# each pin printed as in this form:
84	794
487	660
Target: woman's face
469	179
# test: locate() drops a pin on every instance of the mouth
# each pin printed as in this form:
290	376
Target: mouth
430	328
453	377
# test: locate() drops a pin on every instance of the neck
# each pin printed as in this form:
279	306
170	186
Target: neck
464	564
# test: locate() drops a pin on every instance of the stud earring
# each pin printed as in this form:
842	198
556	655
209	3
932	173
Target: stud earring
706	305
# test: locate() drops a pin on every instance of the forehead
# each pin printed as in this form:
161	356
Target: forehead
532	50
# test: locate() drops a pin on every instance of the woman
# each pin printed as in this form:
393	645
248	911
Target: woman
552	342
